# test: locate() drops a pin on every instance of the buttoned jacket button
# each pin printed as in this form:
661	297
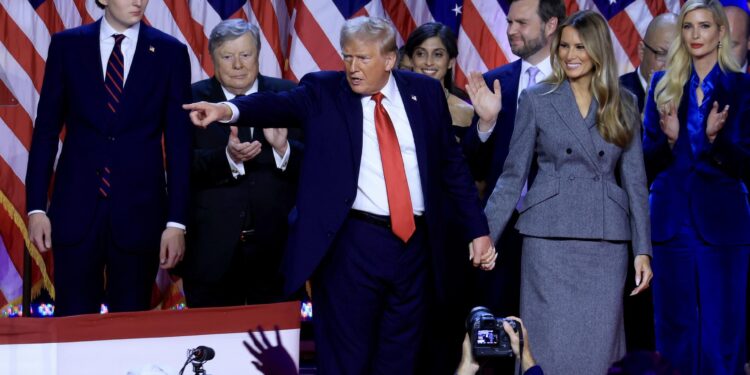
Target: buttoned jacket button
601	153
568	151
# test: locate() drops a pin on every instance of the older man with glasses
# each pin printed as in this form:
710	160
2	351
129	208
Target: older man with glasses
652	51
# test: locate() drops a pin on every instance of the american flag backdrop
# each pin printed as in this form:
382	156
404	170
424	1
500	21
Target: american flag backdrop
298	37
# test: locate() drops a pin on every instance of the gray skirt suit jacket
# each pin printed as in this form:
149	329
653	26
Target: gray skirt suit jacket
575	193
588	199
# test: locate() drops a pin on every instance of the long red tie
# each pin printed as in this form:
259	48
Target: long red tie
396	185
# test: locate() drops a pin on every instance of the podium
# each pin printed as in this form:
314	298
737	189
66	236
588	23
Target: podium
150	342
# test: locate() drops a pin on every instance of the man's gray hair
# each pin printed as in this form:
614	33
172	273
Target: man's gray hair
370	29
230	30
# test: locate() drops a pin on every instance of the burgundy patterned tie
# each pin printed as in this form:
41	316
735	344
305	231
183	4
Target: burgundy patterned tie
113	83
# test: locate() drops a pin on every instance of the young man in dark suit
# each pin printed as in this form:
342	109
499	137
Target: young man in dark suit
379	158
116	211
244	184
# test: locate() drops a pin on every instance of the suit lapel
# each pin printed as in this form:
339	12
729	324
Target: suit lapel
217	95
511	83
410	97
91	71
350	106
140	74
565	104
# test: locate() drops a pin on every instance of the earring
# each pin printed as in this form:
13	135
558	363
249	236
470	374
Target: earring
719	44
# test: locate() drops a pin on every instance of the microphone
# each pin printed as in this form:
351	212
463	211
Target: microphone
203	354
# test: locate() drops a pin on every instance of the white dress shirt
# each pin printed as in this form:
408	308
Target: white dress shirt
238	169
371	193
545	70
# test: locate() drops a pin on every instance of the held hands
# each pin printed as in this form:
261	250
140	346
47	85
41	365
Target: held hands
203	114
241	151
172	247
643	273
482	253
715	121
669	122
487	104
40	231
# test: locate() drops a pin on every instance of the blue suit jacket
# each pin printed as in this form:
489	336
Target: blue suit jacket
487	159
73	95
331	115
710	189
632	82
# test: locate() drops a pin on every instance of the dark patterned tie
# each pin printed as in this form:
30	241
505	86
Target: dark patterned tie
113	83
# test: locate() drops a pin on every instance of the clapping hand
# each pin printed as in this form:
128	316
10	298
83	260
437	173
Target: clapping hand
241	151
669	122
715	121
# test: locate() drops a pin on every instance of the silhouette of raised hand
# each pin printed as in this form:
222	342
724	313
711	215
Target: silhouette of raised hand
269	359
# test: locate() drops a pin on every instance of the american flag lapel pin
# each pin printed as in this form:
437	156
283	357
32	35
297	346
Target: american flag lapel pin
151	49
414	98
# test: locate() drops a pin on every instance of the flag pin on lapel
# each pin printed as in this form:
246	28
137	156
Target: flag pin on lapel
151	49
414	98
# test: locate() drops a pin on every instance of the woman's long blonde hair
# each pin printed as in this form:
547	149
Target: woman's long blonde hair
680	62
613	113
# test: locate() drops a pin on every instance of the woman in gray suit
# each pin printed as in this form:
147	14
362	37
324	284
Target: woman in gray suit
588	199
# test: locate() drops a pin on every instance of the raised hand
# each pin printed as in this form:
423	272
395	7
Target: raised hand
241	151
277	137
715	121
487	104
669	122
269	359
203	114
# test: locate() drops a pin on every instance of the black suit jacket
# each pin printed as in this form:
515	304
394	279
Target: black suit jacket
632	82
222	206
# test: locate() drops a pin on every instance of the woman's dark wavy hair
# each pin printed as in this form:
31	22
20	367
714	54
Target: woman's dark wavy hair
446	35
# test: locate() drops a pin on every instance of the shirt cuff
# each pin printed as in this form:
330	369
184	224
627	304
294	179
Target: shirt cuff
172	224
282	161
484	136
235	113
36	212
238	169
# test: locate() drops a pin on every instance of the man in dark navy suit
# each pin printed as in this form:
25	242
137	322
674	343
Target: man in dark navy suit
531	24
652	51
116	85
368	227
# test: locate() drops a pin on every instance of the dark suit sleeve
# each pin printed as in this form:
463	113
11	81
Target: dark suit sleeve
656	151
178	137
286	109
731	148
457	179
478	153
49	123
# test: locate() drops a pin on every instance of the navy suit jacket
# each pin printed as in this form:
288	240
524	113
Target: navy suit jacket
710	189
130	144
331	115
486	159
222	204
632	82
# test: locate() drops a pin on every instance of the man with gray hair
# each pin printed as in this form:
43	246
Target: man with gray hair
381	167
243	186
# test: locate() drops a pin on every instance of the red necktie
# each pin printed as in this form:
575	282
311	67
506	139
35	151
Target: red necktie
396	185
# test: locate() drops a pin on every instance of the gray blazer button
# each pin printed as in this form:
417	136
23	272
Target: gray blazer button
568	151
571	178
601	153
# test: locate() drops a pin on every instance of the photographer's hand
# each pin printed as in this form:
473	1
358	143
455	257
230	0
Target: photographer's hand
468	365
527	359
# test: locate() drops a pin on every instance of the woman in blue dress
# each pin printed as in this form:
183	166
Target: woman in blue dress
697	151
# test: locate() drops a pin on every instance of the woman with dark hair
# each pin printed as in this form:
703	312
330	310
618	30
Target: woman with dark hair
433	48
697	149
587	201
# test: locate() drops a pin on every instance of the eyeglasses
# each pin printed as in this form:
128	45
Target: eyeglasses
661	56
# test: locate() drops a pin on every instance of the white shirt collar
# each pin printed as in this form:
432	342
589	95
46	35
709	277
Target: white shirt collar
106	31
253	89
644	82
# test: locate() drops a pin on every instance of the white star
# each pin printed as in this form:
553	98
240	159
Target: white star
612	2
457	9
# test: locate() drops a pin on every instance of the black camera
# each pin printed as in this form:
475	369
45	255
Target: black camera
488	338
